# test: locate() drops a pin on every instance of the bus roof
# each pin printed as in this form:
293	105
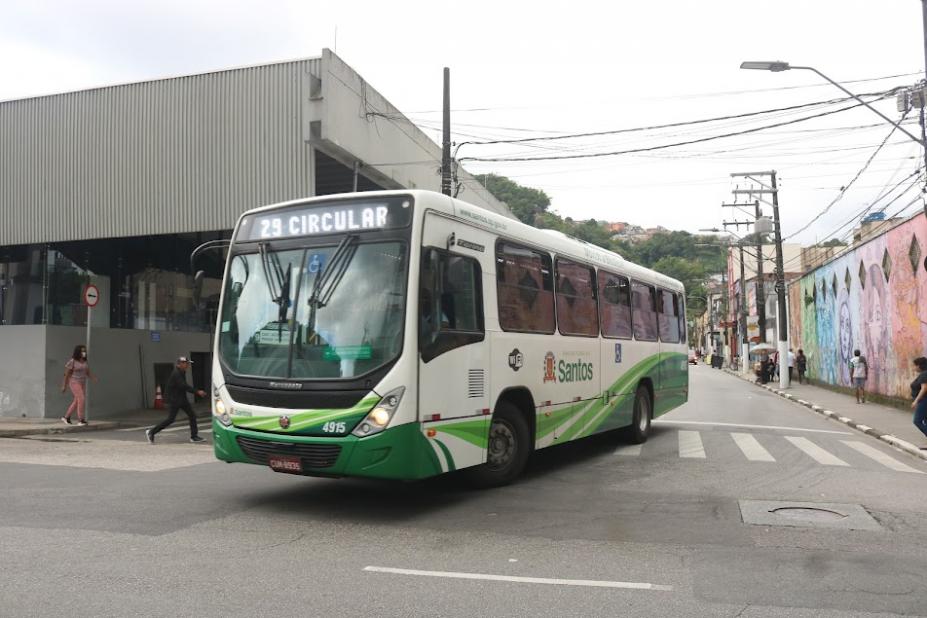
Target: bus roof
548	240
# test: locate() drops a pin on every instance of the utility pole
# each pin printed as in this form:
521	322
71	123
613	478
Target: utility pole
744	342
760	291
781	324
760	280
446	138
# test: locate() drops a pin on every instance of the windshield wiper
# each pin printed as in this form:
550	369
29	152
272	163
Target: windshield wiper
328	278
279	283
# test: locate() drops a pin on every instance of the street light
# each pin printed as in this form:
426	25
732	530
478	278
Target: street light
779	66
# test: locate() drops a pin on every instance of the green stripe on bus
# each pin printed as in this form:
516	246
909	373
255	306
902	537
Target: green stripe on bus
447	454
475	432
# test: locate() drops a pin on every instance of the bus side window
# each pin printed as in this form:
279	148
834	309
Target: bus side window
450	303
643	304
668	308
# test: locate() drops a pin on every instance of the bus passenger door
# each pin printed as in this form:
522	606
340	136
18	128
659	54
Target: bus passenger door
453	349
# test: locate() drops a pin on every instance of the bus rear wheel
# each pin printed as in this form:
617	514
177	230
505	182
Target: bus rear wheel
507	449
639	430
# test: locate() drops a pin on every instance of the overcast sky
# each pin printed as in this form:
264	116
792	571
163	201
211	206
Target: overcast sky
518	70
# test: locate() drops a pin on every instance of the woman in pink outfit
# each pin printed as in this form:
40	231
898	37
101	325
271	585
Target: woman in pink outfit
77	370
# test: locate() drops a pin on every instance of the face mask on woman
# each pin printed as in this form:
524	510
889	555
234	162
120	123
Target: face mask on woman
83	354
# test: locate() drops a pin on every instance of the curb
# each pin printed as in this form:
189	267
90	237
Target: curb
57	430
888	438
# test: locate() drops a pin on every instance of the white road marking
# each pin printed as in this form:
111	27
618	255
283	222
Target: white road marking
816	452
520	580
630	450
777	427
690	445
751	448
880	457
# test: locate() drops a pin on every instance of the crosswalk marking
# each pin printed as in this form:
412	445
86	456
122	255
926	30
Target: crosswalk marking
816	452
751	448
879	456
630	450
690	445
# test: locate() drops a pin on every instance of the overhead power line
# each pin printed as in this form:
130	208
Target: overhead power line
671	125
847	186
664	146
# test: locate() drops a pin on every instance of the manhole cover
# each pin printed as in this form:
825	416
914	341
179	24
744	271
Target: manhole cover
808	514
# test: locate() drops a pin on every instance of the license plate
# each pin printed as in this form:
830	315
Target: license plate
283	463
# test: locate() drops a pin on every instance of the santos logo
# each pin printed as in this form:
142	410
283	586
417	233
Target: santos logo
576	371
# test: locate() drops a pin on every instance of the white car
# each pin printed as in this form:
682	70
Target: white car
693	360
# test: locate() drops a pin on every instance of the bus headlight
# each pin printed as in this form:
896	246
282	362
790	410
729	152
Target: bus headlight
382	413
221	412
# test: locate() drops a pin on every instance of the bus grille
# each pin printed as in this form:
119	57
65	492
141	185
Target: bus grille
312	455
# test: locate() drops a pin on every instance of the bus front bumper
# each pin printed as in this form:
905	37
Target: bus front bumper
400	452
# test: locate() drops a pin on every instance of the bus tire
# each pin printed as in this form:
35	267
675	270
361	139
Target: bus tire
507	448
639	430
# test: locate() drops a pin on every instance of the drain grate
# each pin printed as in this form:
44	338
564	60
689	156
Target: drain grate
807	515
804	513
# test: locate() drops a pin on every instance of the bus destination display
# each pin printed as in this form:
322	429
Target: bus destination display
338	218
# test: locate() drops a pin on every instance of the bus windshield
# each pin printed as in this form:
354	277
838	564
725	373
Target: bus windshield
314	313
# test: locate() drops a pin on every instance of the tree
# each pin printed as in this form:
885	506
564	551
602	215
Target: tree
524	202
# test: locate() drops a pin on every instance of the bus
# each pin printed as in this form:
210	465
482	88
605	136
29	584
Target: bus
406	334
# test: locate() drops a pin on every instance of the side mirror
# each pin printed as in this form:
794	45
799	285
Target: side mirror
198	287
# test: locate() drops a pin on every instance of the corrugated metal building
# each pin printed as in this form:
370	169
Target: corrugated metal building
116	185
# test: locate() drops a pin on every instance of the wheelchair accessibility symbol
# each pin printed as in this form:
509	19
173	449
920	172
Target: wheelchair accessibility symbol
316	262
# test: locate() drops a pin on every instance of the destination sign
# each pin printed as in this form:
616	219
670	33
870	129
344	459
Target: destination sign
328	218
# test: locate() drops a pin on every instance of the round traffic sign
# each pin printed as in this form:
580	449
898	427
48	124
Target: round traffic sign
91	295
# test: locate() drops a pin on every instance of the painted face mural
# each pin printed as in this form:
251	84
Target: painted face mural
828	356
872	297
876	339
846	342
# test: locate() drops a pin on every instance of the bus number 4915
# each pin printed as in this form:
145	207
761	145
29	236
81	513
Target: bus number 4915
333	427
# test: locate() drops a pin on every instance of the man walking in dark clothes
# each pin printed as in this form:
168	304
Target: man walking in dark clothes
176	394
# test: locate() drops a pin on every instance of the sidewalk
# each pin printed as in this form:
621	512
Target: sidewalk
17	427
888	424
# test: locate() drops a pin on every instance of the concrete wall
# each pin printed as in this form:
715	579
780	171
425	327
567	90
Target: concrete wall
115	359
22	372
349	120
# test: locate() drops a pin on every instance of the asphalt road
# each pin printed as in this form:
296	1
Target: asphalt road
108	525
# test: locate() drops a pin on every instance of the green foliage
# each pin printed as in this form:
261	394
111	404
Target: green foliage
833	242
524	202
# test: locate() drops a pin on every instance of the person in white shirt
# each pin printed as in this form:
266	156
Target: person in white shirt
859	371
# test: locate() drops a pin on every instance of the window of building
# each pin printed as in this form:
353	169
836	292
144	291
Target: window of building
577	313
524	284
615	305
644	309
668	317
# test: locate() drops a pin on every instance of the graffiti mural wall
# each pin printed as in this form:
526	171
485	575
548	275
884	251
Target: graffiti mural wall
873	298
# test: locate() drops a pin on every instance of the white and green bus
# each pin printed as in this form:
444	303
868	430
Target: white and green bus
404	334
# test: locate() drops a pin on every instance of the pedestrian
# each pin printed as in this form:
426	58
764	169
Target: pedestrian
76	372
859	370
801	363
919	394
791	359
176	394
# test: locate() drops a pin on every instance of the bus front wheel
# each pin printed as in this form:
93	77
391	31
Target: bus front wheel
643	413
507	449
